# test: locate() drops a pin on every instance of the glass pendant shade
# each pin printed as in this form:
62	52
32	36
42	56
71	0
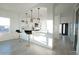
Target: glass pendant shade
26	19
38	15
31	16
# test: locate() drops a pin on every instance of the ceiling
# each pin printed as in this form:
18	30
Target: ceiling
17	7
65	9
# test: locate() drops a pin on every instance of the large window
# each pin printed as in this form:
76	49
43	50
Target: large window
44	36
50	26
4	24
60	28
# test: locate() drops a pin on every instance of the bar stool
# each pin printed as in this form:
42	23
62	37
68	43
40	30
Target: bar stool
18	31
28	32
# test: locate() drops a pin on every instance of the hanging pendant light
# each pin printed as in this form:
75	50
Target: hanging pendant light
26	19
38	15
31	16
37	24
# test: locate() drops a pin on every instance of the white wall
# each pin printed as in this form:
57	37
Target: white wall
63	13
14	24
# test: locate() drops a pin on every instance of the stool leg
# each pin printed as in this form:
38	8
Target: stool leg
19	38
28	40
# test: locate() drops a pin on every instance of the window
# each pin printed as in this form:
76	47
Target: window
4	24
50	26
60	28
63	28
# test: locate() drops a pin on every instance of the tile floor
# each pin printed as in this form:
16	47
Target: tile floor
63	46
19	47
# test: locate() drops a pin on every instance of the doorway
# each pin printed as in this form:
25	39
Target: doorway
65	29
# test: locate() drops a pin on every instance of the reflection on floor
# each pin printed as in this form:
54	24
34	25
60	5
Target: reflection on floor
63	46
19	47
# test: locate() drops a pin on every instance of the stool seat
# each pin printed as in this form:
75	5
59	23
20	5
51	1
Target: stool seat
28	31
18	31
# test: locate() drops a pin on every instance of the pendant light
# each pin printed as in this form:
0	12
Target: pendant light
38	15
31	16
26	19
37	24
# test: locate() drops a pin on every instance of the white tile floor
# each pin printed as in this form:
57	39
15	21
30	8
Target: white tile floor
20	47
